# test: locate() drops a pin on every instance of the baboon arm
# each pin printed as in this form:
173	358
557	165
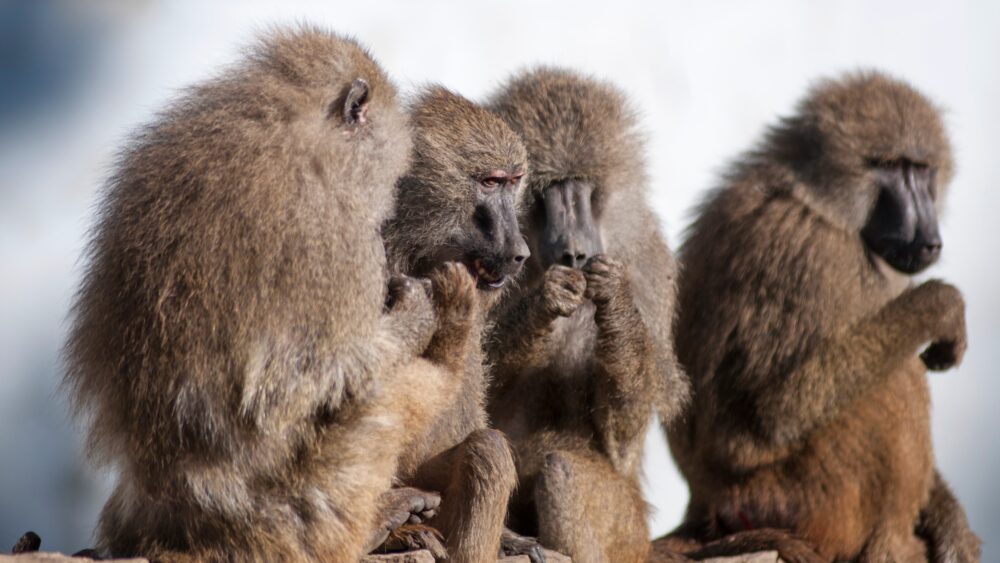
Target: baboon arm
351	373
945	528
623	401
402	335
842	367
519	338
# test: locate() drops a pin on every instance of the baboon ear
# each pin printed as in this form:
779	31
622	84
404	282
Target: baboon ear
355	109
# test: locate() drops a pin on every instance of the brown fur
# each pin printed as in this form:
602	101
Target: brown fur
810	402
229	345
576	381
468	463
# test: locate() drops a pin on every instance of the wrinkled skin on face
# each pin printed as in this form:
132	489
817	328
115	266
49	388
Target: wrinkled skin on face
494	247
902	228
568	232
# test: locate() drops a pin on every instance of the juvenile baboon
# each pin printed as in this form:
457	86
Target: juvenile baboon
229	345
459	203
801	330
581	349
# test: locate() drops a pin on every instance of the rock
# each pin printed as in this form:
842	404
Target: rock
759	557
550	557
421	556
51	557
29	542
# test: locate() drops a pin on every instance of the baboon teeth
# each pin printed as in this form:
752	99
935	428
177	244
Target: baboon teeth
481	271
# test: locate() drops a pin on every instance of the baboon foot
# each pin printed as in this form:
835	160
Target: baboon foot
413	537
512	544
403	505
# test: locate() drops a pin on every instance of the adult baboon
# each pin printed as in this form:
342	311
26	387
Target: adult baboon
459	203
581	349
801	331
229	345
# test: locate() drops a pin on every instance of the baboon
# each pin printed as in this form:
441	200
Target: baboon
581	348
459	203
801	330
229	346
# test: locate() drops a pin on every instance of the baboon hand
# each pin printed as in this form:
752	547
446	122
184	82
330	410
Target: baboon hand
455	298
948	337
410	308
563	290
407	292
399	506
456	304
605	278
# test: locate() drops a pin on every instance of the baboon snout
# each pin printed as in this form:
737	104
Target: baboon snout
930	248
570	235
520	252
574	254
902	227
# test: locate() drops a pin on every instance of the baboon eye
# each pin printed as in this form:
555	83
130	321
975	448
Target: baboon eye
492	181
515	180
884	163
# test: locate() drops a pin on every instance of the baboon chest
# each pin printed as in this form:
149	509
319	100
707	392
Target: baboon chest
564	386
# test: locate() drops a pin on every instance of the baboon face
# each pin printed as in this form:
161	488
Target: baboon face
484	234
586	154
902	228
460	201
565	228
882	159
491	245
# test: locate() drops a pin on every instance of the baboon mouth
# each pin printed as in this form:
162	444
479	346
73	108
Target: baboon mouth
485	279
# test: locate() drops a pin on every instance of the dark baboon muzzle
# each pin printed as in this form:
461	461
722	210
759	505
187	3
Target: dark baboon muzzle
570	235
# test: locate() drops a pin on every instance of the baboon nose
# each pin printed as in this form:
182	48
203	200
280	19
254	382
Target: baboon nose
573	259
930	250
521	252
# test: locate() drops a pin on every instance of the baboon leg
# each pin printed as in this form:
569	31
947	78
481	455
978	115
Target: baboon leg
686	544
588	511
476	479
885	545
661	552
945	528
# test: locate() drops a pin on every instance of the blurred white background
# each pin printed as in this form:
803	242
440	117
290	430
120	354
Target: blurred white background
76	77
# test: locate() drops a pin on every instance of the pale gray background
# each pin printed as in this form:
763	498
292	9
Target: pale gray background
75	77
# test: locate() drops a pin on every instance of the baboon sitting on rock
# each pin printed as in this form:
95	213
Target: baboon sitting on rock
458	203
581	349
805	337
229	345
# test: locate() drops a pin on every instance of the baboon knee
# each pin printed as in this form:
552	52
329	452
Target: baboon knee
489	460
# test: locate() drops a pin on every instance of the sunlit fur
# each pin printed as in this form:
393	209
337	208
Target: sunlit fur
228	348
471	465
811	407
575	394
